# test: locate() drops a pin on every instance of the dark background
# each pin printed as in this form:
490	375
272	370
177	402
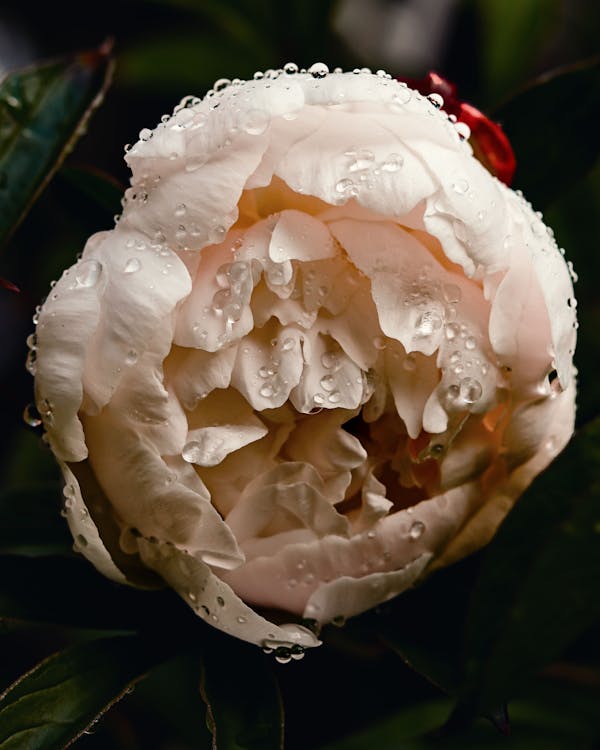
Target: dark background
166	49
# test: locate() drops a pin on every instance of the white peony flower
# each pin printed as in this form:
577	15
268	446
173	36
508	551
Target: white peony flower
320	355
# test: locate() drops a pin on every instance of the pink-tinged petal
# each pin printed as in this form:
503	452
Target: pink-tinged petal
543	425
375	504
345	596
412	378
330	379
141	290
85	532
289	496
290	577
393	259
66	324
334	453
467	454
519	329
213	600
265	373
554	279
194	373
217	312
146	494
297	236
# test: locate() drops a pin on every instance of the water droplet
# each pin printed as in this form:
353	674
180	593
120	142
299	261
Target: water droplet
256	121
221	84
379	342
220	601
437	100
216	234
241	619
329	360
344	185
319	398
290	68
416	530
30	365
132	357
88	272
393	163
132	266
267	391
402	97
328	382
470	343
463	130
538	228
335	397
318	70
460	186
427	323
452	331
204	451
470	390
180	210
288	345
31	416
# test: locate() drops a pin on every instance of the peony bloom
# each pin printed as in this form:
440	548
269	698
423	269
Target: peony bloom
320	355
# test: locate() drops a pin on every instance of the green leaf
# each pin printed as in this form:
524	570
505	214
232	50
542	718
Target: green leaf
538	588
54	703
553	128
512	36
30	522
43	110
184	63
244	709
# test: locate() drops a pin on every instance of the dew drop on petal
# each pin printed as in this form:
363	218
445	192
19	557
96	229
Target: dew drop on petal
470	390
132	266
267	391
392	163
344	185
416	530
452	331
31	416
88	272
132	357
437	100
318	70
460	186
463	130
427	323
256	121
327	382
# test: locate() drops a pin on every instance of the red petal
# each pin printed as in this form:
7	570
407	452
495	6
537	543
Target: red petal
488	140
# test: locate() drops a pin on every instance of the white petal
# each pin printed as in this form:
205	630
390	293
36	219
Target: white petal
346	597
84	530
208	446
147	496
292	488
297	236
214	601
